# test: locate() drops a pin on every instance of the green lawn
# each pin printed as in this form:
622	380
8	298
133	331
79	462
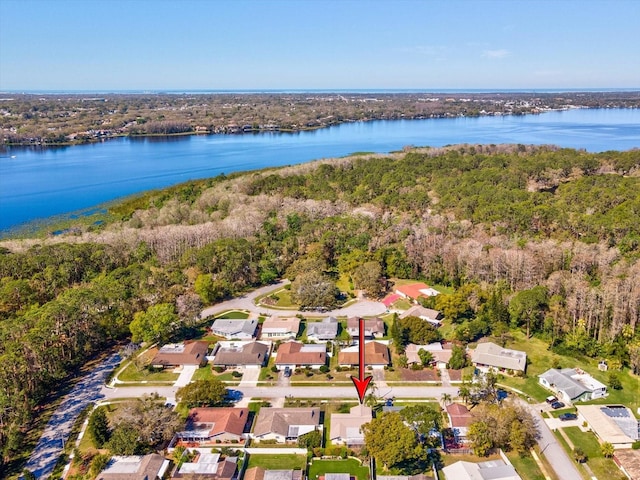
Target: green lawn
541	359
240	314
132	374
525	466
350	465
278	462
603	468
205	373
557	413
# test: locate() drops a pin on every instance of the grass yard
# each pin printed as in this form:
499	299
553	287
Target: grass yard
525	466
278	462
541	359
132	374
602	467
350	466
239	314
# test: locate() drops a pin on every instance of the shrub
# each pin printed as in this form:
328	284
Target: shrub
236	374
614	381
636	445
324	369
274	369
579	455
218	369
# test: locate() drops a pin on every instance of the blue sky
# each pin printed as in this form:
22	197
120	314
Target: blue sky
330	44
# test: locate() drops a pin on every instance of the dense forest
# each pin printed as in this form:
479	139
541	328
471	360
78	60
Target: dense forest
538	238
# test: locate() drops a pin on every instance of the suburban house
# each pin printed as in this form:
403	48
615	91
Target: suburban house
491	470
441	353
259	473
488	356
208	425
235	329
323	331
414	291
207	465
134	467
177	354
280	327
572	384
245	354
294	354
434	317
459	418
345	427
373	327
285	424
376	355
615	424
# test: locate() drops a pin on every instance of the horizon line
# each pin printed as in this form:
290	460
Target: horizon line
318	90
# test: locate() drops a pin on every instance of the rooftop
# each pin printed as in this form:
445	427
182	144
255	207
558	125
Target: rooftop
492	355
235	327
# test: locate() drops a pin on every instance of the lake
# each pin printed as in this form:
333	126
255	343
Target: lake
38	183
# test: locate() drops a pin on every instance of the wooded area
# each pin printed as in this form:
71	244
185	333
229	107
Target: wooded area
63	119
537	238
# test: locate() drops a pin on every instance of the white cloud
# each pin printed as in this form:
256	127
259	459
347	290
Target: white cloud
501	53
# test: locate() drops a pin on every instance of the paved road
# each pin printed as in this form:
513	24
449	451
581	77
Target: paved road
564	467
56	433
296	392
247	302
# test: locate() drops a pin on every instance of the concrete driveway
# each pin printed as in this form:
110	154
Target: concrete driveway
185	375
250	377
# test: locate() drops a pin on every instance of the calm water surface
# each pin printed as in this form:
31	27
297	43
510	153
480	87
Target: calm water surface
41	183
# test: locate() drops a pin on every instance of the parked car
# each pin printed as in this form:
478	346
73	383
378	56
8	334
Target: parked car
568	416
550	399
557	405
501	394
287	372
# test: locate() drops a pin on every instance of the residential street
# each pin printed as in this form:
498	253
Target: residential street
564	466
56	433
246	302
296	392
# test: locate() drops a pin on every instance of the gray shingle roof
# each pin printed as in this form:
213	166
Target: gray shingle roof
231	328
327	329
493	355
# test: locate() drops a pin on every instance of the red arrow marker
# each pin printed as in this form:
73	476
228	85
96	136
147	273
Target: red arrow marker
361	382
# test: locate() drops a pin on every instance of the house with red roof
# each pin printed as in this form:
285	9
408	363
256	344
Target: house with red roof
207	425
459	418
413	291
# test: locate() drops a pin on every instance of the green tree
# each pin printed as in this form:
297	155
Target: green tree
153	422
154	325
426	357
419	331
614	381
98	464
518	438
479	433
310	440
203	393
392	442
607	450
124	441
98	427
399	335
458	358
528	307
313	289
423	418
368	277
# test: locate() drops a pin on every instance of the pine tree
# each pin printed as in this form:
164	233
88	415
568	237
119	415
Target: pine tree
98	427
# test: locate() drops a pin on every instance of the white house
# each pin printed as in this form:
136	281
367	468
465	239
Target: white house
572	384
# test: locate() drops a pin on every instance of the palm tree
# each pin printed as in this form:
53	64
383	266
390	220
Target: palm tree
445	399
464	393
